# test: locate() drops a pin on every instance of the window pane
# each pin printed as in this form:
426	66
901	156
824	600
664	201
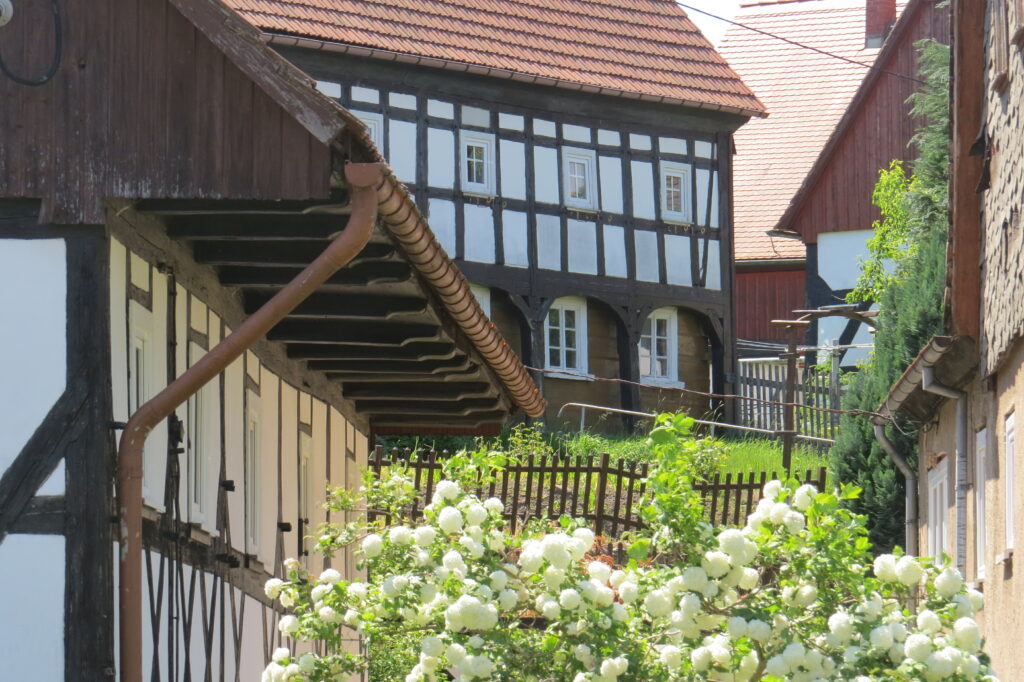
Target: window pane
577	180
662	325
661	348
674	193
553	337
553	317
570	359
553	357
570	319
661	369
476	164
570	338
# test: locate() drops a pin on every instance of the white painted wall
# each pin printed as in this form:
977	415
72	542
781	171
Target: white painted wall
646	255
33	339
513	169
677	260
440	158
545	162
442	222
582	247
610	174
32	608
615	264
479	223
516	241
839	257
643	189
549	242
402	149
269	388
713	278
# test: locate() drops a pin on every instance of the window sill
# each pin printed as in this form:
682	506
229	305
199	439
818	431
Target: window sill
478	192
570	374
582	209
654	382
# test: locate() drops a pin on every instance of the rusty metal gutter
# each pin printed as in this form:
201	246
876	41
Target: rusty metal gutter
366	182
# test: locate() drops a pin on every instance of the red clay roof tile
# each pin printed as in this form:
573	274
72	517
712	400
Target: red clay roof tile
646	48
806	93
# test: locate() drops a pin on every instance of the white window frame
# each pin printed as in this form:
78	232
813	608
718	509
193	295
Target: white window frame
141	380
671	318
1009	446
305	492
202	449
579	306
588	158
375	126
938	509
476	139
980	528
685	172
253	478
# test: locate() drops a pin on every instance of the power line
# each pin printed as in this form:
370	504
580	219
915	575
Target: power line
802	45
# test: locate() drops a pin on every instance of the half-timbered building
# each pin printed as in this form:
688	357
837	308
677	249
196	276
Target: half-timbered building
169	192
574	159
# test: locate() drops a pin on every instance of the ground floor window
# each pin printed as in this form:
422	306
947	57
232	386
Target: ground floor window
565	330
659	347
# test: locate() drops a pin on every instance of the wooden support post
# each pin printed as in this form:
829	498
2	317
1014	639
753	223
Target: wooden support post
794	328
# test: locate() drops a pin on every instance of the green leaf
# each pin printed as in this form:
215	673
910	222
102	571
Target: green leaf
640	549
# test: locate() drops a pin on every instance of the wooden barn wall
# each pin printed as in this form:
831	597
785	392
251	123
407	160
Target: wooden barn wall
143	105
840	198
765	296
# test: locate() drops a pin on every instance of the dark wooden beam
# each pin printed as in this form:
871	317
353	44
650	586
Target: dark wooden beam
246	227
239	207
433	350
44	515
342	306
422	391
389	366
468	374
361	274
427	407
305	330
298	253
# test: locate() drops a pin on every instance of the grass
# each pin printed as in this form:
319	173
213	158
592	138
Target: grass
766	455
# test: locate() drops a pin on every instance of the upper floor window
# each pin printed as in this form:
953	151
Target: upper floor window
675	192
200	451
565	329
374	126
305	490
1009	436
659	347
938	494
981	533
252	476
477	152
580	178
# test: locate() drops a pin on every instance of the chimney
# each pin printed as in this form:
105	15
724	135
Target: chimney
879	16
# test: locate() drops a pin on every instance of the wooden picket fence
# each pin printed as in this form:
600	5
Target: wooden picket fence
605	493
763	382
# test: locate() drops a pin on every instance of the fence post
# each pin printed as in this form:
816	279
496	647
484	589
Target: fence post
602	484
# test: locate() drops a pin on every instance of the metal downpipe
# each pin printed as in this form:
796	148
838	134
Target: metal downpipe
930	385
365	179
910	479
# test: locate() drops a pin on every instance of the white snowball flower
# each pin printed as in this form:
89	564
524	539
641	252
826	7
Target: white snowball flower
555	549
715	564
928	622
619	613
600	571
751	579
432	646
948	582
611	668
629	591
281	654
759	631
794	654
617	578
494	505
531	557
450	520
551	610
671	657
778	512
777	667
909	571
372	545
553	578
330	576
569	598
400	535
794	521
424	536
272	588
695	578
288	597
737	627
357	590
881	637
445	490
497	580
885	568
319	592
507	599
658	603
307	663
772	489
967	634
840	624
476	514
804	496
586	535
805	595
329	615
453	561
288	625
977	599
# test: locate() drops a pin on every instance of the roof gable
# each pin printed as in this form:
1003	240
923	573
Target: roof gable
806	92
645	49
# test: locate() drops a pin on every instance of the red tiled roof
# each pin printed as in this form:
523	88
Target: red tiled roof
643	48
806	93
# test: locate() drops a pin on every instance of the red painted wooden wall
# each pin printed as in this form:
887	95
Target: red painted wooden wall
765	296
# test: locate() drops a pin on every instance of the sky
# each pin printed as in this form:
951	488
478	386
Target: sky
713	29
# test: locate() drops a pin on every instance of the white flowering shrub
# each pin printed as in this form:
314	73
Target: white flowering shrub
794	595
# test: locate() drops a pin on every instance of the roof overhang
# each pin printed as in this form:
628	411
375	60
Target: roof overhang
954	360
